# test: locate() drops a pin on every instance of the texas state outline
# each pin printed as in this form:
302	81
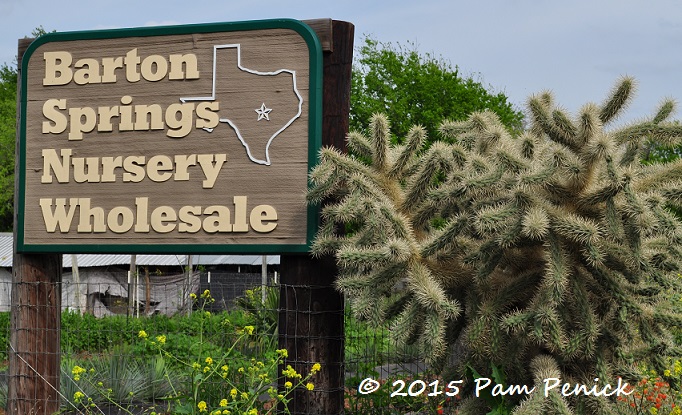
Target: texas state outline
230	122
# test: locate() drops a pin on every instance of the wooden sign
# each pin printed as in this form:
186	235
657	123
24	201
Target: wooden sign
175	139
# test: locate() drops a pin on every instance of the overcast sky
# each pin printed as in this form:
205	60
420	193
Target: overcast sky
577	49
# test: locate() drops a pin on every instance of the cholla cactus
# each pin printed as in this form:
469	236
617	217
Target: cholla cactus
556	247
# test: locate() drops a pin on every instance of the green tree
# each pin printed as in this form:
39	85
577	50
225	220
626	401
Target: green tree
552	254
415	89
8	116
8	123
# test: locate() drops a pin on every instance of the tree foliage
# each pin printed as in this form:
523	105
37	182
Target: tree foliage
8	123
417	89
549	255
8	115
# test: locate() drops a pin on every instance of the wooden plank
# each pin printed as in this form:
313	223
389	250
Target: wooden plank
312	310
34	355
323	29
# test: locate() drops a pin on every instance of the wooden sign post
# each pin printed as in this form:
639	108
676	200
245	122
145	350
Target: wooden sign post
35	323
187	139
311	321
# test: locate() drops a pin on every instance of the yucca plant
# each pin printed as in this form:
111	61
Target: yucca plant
550	254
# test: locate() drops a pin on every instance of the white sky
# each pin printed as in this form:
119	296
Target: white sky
578	49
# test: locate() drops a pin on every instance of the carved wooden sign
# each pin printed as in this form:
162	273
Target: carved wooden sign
175	139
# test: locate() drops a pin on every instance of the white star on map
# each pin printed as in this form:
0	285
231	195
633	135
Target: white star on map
263	112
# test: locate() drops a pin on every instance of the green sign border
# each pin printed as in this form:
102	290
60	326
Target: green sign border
314	139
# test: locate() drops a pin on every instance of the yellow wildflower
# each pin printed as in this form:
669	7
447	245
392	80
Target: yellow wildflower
309	386
253	411
249	330
209	361
193	296
161	339
245	395
288	384
202	406
290	372
233	393
142	334
223	402
282	352
78	396
316	368
77	371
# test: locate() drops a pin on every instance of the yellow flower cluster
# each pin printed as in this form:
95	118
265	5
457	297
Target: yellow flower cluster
290	372
247	329
77	371
209	362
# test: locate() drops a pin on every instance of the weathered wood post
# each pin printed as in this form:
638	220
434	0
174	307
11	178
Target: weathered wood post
34	355
312	310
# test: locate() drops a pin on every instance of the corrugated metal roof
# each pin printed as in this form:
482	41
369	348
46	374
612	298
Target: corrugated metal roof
6	249
100	260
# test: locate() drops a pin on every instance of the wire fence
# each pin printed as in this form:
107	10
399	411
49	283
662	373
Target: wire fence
137	344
